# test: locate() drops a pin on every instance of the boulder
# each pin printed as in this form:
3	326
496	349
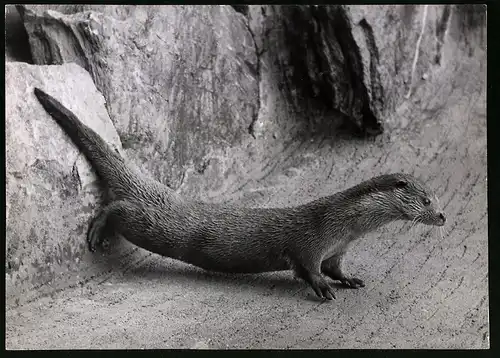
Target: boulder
346	64
180	82
51	190
361	62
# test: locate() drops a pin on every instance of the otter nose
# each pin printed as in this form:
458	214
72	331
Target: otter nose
442	217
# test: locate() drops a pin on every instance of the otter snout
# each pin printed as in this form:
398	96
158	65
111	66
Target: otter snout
432	218
441	219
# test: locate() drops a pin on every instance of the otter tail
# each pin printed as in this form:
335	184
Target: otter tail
108	164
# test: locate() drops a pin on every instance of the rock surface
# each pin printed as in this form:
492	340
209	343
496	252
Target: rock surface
361	61
50	188
227	120
179	81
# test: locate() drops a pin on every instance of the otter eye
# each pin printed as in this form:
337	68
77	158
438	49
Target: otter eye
427	202
400	184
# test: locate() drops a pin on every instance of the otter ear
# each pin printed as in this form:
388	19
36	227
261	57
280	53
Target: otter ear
401	184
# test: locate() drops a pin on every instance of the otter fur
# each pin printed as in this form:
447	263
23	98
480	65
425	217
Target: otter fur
309	239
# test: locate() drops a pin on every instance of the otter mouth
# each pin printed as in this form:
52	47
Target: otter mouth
435	219
405	216
438	219
441	219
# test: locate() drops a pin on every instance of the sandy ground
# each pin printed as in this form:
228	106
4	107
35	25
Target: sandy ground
425	288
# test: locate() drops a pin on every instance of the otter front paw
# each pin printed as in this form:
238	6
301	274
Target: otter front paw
352	282
323	289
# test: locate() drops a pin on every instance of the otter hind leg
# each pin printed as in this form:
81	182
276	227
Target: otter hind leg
100	227
331	268
315	279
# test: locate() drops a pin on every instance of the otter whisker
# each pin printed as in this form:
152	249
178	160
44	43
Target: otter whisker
438	205
415	221
419	218
441	240
404	225
412	223
398	218
441	233
445	232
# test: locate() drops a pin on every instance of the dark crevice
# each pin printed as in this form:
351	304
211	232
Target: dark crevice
258	53
377	91
441	27
472	24
303	69
80	40
359	106
17	46
472	15
242	9
48	59
327	66
326	91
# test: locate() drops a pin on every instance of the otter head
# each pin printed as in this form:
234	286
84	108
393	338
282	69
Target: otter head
414	201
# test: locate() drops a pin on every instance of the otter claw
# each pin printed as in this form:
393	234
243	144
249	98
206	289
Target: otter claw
329	295
324	291
92	245
353	282
94	232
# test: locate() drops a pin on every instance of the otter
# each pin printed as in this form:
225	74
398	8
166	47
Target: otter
309	239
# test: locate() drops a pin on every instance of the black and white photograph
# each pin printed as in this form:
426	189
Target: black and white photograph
246	177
